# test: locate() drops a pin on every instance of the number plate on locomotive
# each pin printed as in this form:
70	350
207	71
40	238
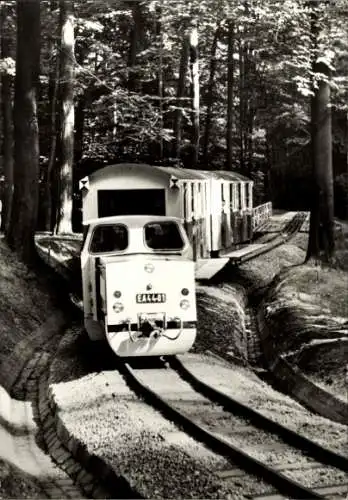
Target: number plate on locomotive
150	298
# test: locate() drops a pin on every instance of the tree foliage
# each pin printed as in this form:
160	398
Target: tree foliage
133	89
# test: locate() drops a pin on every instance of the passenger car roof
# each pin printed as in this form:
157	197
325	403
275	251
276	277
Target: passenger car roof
170	172
132	221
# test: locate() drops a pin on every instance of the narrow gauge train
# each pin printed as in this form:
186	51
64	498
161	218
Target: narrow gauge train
138	285
216	206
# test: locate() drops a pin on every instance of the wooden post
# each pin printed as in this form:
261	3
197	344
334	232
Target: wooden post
250	187
194	239
242	196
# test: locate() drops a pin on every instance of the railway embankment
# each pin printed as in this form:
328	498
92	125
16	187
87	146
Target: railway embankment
303	324
221	313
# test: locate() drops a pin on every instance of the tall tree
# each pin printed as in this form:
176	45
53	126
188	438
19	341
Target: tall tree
53	96
230	95
249	111
20	235
321	243
7	118
180	94
242	102
194	69
137	36
67	61
209	98
160	79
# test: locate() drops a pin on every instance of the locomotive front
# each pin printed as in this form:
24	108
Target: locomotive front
143	295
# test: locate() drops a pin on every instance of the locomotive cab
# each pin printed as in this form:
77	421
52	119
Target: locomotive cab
139	285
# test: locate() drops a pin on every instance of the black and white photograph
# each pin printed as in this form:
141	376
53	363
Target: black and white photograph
174	249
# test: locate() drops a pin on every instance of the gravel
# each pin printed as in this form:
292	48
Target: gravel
314	478
246	387
137	442
158	459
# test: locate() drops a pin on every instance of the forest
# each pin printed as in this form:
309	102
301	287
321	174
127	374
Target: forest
259	87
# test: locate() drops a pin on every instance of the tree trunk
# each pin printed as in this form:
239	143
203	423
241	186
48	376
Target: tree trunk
268	195
230	96
7	122
249	143
321	243
194	68
241	105
64	213
249	108
53	96
180	96
136	43
210	90
79	128
160	83
22	227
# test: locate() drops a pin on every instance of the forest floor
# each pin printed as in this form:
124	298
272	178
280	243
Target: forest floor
307	309
25	300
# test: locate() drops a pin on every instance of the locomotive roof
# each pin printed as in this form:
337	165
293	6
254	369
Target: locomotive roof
177	172
132	221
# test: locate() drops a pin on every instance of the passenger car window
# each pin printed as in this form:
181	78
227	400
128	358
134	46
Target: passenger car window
109	238
163	236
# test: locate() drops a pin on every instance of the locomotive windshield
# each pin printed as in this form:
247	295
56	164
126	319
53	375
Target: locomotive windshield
163	236
109	238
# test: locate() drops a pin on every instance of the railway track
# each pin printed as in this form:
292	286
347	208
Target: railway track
291	228
228	427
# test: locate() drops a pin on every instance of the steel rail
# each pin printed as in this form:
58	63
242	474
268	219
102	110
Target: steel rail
215	443
320	453
288	232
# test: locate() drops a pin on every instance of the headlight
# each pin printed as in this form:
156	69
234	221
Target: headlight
184	304
117	294
185	291
118	307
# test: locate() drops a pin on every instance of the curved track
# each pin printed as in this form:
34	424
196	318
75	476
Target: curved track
219	422
291	228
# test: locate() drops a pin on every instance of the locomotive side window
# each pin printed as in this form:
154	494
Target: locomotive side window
163	236
109	238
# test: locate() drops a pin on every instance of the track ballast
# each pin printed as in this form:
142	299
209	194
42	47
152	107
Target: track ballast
217	420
